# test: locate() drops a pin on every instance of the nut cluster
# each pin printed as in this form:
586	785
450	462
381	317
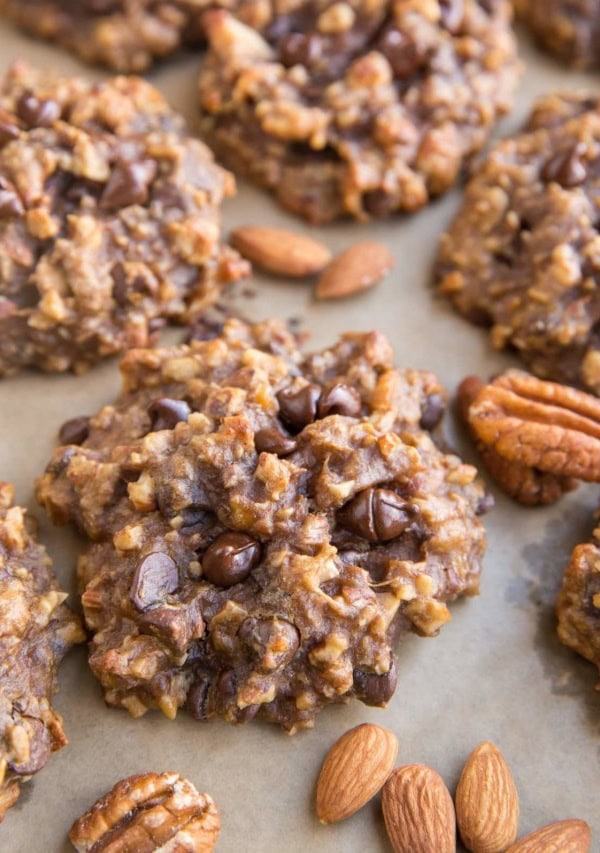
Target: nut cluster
419	814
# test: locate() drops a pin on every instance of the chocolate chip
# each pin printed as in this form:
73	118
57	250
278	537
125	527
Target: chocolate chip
166	413
379	203
197	699
273	642
226	695
155	577
8	132
37	112
74	431
297	409
119	277
566	167
205	330
299	49
452	13
485	504
10	204
230	559
374	689
128	184
432	411
401	52
376	514
272	441
340	399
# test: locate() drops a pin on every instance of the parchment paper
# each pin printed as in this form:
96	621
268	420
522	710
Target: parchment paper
497	671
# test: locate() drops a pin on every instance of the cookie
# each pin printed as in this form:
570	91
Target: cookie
38	629
578	604
267	524
356	108
126	35
522	256
109	220
570	29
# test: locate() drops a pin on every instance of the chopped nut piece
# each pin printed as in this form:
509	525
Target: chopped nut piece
149	812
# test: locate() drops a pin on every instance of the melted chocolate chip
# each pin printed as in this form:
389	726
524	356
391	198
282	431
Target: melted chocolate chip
485	504
433	411
566	167
119	277
340	399
226	694
197	699
376	514
272	642
37	112
166	413
155	577
8	132
74	431
205	330
10	204
373	689
128	184
299	49
401	52
297	409
230	559
272	441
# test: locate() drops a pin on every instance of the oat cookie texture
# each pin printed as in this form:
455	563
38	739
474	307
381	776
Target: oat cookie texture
522	256
109	219
38	629
356	107
265	524
125	35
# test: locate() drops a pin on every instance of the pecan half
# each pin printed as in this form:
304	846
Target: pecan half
523	482
152	811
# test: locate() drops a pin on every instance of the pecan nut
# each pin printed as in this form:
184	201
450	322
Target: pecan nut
526	484
151	811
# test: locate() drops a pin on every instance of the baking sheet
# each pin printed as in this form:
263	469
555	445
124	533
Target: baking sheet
497	671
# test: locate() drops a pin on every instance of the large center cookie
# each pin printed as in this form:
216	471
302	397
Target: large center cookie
109	219
356	108
522	255
266	524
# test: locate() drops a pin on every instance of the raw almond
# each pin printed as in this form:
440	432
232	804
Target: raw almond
358	268
418	811
562	836
280	251
354	769
487	802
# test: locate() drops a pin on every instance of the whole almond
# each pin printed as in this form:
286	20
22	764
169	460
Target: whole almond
280	251
418	811
487	802
562	836
358	268
354	770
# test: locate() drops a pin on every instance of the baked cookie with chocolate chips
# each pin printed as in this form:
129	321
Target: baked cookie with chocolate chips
357	107
38	629
522	256
125	35
578	604
266	525
109	220
568	28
